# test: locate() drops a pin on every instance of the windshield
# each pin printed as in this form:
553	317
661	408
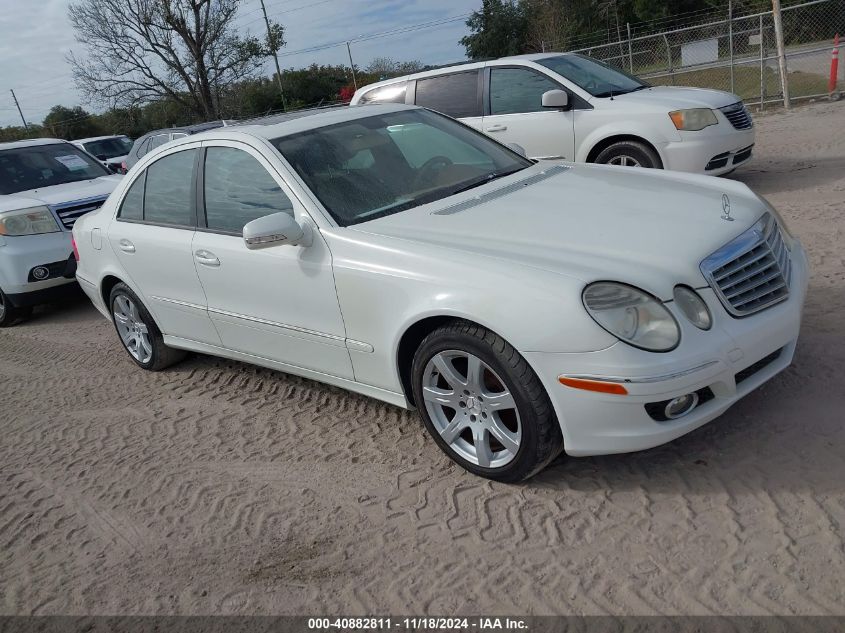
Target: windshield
596	77
379	165
109	147
39	166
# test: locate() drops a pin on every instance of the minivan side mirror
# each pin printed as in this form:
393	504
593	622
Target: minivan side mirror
276	229
556	99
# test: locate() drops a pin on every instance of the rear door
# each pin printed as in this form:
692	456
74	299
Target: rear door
515	114
457	95
151	237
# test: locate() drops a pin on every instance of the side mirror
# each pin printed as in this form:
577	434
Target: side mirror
275	230
556	99
519	149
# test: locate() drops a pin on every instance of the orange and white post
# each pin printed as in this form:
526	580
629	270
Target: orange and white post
834	68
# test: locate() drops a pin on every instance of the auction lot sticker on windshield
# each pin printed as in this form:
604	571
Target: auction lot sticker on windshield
72	162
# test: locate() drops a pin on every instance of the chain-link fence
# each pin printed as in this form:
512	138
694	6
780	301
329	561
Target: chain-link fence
737	53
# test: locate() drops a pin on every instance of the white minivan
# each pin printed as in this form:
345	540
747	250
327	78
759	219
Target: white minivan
576	108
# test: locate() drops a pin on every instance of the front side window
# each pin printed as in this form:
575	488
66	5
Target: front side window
379	165
168	198
238	190
158	140
394	93
454	95
518	90
39	166
596	77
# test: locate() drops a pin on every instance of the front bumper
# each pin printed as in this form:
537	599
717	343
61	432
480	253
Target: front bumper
20	255
725	360
721	147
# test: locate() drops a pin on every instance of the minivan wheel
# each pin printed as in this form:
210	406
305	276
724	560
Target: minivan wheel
138	332
629	154
483	404
9	314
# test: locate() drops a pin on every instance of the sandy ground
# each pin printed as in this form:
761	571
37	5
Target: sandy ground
217	487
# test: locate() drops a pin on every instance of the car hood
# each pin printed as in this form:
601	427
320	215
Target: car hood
645	227
59	194
679	98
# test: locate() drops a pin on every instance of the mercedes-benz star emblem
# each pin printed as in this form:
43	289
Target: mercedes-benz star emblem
726	208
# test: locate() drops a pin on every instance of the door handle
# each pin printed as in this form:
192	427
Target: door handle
206	258
497	128
126	246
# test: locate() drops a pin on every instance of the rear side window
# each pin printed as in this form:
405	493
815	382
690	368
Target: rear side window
394	93
238	190
144	147
168	198
516	90
132	207
454	95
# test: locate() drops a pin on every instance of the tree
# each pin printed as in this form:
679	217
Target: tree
140	51
498	29
383	67
70	123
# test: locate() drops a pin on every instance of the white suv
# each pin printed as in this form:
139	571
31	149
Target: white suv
45	185
575	108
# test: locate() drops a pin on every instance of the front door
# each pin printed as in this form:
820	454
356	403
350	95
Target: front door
152	236
279	302
516	114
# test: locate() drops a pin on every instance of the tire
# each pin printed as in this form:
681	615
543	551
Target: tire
528	429
626	153
9	314
138	332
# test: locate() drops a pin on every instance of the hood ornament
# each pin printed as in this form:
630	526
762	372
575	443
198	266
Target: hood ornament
726	208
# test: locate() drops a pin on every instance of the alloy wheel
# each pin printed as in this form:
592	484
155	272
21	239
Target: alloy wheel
624	161
472	408
132	330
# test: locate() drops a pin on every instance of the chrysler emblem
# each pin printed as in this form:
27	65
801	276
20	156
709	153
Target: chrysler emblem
726	208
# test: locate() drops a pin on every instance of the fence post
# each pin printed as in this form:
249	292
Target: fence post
762	65
731	41
669	58
784	80
630	50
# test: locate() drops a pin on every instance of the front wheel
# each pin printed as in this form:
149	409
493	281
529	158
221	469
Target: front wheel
629	154
138	332
9	314
482	403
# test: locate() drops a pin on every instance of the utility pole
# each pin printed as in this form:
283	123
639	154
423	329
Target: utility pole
25	126
275	56
784	82
352	65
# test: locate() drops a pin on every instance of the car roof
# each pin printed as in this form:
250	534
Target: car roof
30	142
98	138
303	120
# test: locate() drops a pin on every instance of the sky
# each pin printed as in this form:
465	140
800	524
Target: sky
35	38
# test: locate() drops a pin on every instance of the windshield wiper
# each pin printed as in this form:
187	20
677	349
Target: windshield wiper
472	184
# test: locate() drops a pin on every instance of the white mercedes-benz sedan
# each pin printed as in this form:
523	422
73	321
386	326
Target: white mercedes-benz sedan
523	308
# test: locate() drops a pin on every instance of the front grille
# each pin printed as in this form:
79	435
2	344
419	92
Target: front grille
749	371
738	115
718	161
70	212
751	272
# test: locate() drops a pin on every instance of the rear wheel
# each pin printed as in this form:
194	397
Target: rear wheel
138	332
629	154
9	314
483	404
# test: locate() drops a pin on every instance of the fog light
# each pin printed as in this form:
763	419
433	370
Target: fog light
40	272
680	406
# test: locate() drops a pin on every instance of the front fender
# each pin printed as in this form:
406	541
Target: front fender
603	127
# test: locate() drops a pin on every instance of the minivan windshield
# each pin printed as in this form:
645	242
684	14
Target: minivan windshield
594	76
109	147
38	166
379	165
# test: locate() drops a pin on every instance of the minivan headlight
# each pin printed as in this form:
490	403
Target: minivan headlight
632	315
693	120
31	221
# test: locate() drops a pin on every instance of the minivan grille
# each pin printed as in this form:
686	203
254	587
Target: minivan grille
70	212
738	115
752	272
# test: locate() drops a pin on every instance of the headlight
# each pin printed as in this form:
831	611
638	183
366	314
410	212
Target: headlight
632	316
693	120
693	307
30	221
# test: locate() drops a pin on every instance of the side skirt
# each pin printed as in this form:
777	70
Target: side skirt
390	397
